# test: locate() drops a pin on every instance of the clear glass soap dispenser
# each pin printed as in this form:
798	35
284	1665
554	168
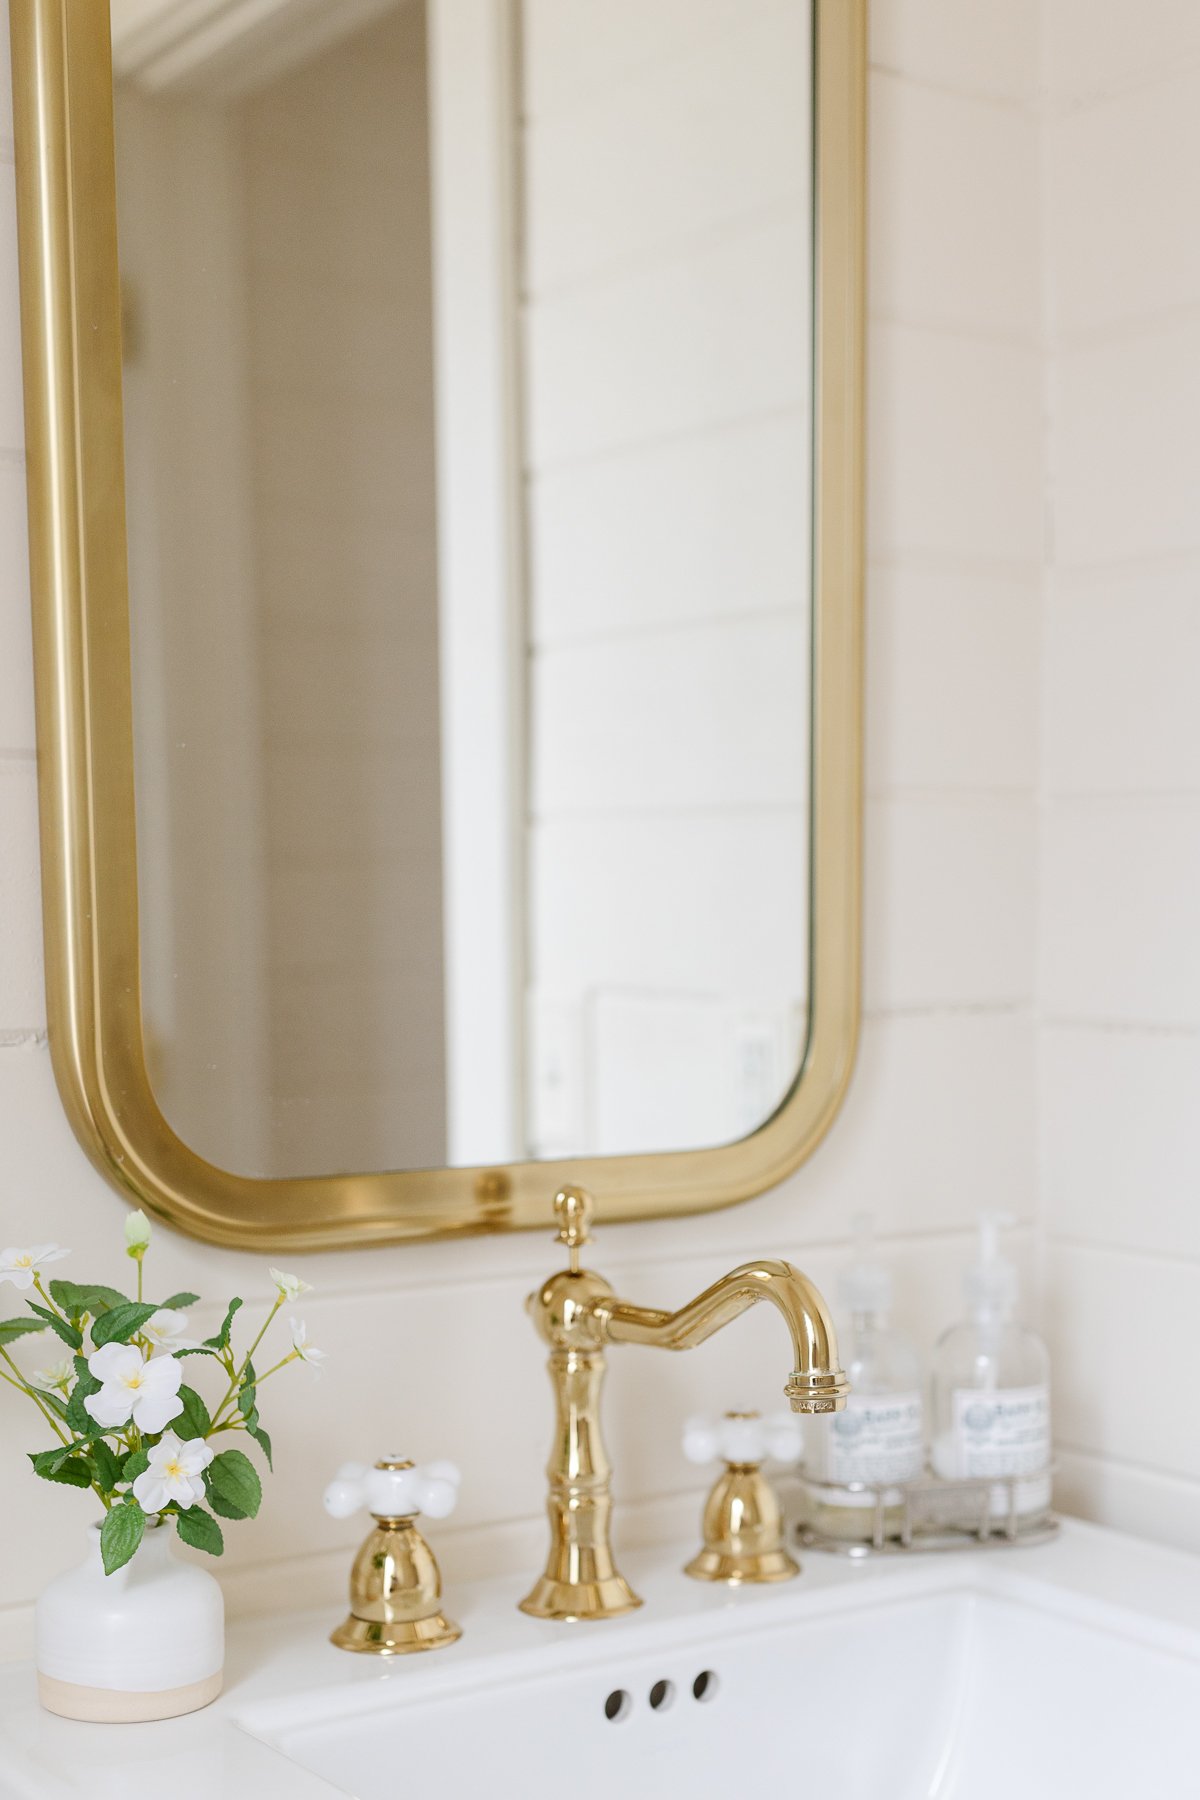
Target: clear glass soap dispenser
991	1398
879	1438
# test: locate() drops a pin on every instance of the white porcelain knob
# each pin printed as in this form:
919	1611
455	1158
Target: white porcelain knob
391	1492
743	1437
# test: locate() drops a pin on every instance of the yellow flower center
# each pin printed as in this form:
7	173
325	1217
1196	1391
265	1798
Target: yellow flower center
24	1262
173	1470
134	1380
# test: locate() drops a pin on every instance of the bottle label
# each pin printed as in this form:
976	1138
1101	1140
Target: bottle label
877	1438
1005	1431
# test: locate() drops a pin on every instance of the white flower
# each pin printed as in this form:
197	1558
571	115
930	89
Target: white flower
132	1388
137	1235
58	1375
173	1474
20	1266
290	1286
165	1330
304	1350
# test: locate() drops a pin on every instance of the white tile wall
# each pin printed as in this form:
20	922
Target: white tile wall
954	209
990	47
1126	449
966	717
1122	646
950	901
975	490
1126	259
1120	892
1118	878
1093	49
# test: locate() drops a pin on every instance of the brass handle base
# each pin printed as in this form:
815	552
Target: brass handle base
771	1565
396	1637
743	1531
607	1598
395	1595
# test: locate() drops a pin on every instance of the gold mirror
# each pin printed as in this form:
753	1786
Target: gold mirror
445	439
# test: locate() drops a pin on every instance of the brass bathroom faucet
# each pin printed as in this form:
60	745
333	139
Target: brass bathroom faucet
577	1314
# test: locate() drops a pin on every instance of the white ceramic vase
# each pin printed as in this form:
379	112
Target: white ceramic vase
147	1642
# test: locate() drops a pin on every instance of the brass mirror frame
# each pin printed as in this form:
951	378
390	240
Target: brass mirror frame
71	327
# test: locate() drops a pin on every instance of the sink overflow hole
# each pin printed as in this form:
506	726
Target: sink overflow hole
618	1705
705	1686
661	1695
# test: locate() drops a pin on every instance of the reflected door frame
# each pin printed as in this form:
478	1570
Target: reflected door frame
481	575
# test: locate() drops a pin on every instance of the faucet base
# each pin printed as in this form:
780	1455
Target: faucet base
395	1637
771	1565
607	1598
743	1531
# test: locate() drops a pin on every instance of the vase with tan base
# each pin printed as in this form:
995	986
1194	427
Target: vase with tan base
147	1642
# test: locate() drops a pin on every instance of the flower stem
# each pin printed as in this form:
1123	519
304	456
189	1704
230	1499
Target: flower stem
239	1376
37	1282
34	1396
292	1356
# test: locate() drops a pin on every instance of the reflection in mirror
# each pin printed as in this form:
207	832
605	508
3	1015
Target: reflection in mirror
468	421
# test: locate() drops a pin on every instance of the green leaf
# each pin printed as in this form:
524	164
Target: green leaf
135	1464
233	1476
71	1335
54	1401
194	1421
195	1350
120	1535
180	1302
218	1502
12	1329
106	1464
77	1300
200	1530
263	1441
43	1460
77	1415
71	1470
120	1324
221	1341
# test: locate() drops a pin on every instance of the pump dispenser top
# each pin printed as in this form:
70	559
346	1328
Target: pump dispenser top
865	1288
991	1281
881	1437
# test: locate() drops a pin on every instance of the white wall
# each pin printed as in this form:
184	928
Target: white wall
1120	948
429	1346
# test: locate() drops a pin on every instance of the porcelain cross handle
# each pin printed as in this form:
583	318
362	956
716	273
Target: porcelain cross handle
394	1489
743	1438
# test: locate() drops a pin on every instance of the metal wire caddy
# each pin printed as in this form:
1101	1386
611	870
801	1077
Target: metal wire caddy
936	1515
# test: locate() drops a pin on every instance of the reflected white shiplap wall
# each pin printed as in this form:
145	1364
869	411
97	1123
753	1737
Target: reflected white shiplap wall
428	1344
1120	944
666	330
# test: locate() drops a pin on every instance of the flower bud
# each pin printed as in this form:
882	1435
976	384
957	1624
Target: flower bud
137	1235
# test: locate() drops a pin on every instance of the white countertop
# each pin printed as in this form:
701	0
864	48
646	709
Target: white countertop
283	1668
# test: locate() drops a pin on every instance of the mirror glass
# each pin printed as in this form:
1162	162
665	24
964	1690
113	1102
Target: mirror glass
467	410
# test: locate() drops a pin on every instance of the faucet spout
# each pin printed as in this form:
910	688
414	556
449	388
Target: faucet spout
816	1384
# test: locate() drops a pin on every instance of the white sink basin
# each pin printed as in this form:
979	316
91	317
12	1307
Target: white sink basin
1066	1672
981	1677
